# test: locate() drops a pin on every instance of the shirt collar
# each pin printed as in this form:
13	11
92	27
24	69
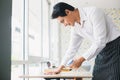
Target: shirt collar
83	16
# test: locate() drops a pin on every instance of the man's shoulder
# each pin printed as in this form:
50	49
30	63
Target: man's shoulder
90	8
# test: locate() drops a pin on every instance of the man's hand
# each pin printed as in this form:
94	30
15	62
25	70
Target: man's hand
77	62
55	71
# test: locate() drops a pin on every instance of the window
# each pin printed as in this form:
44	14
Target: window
17	38
30	37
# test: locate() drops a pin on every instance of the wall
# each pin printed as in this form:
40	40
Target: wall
5	39
97	3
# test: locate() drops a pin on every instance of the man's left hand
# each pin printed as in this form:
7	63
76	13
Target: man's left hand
77	62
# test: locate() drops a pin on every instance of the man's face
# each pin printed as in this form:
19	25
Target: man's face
67	20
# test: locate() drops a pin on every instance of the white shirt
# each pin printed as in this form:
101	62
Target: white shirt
95	26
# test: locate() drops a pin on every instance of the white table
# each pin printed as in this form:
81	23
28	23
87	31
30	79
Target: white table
63	75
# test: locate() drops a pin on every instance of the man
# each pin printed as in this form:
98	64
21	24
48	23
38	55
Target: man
93	24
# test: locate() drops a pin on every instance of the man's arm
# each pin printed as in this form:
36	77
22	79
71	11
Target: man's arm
99	33
74	45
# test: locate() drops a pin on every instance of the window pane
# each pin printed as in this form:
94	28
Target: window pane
34	36
17	30
17	39
46	28
35	28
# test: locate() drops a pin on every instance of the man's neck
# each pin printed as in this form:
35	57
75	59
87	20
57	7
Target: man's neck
77	16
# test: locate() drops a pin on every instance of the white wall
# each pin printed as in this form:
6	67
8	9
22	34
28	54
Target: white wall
97	3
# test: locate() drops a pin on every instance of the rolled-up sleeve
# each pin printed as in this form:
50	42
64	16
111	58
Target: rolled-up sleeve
98	21
74	45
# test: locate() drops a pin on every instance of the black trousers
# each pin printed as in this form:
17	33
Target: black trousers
107	62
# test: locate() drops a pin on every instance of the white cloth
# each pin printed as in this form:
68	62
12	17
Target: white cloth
95	26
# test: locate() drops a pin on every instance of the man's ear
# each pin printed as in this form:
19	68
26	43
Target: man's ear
67	11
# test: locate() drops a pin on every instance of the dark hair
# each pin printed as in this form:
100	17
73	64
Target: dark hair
59	9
